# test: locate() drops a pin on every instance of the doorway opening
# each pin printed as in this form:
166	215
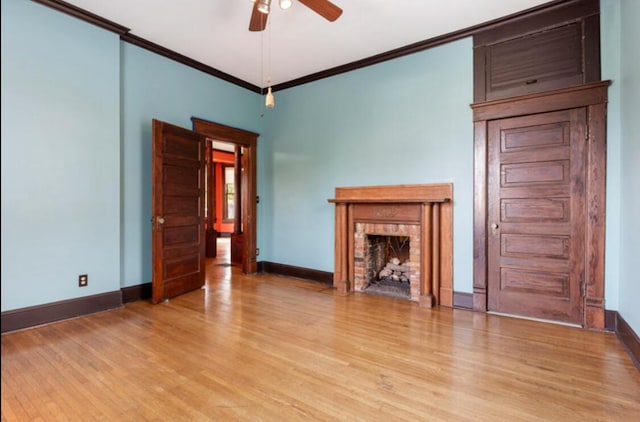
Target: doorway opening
223	257
223	197
244	143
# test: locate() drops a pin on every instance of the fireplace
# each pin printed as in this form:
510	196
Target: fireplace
383	263
395	240
386	264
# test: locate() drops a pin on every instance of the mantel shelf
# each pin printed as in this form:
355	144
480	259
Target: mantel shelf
388	201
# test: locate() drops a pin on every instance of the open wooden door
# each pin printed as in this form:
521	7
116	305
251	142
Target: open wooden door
178	233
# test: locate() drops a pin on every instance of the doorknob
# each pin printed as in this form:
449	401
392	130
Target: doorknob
494	226
159	222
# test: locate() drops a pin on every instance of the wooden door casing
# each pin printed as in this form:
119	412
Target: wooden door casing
249	143
211	248
593	98
536	215
178	233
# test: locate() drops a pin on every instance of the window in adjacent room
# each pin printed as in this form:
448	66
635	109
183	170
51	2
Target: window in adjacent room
228	193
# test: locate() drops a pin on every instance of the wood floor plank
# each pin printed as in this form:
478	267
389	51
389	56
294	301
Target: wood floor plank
273	348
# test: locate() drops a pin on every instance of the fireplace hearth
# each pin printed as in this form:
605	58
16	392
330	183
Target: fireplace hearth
395	240
389	287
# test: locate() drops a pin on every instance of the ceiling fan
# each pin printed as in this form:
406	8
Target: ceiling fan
261	9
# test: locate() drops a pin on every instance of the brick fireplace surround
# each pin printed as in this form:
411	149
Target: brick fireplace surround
422	212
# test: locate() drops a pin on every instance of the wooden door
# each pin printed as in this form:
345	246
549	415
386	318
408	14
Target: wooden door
178	235
537	215
211	242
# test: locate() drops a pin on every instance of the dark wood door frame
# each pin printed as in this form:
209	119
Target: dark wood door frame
593	96
249	142
211	234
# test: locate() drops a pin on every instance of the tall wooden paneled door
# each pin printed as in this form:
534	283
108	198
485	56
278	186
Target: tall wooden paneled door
178	233
536	215
539	195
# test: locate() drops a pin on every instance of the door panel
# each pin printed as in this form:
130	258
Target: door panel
536	215
178	209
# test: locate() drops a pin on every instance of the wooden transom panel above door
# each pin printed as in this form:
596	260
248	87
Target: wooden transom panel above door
536	197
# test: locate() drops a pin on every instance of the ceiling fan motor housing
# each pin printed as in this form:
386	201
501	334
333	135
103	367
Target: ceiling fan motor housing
261	9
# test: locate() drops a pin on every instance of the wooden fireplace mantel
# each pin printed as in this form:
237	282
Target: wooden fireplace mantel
388	201
434	192
426	205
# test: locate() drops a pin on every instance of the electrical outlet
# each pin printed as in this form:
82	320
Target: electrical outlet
83	280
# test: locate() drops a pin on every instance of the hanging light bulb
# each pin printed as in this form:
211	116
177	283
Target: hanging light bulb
285	4
270	100
264	6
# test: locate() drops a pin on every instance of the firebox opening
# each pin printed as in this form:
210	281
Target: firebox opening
388	266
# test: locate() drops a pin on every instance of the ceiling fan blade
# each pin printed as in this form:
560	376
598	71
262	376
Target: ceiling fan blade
258	20
324	8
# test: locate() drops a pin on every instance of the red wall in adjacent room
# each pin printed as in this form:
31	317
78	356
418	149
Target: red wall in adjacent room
220	158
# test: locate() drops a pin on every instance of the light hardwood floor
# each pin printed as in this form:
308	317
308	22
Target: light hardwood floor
270	348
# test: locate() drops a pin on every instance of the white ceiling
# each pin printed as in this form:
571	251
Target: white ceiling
297	42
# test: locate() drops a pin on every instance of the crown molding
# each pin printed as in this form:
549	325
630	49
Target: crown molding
126	36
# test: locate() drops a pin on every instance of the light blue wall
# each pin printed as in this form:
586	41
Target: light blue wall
610	70
630	164
621	64
154	87
400	122
60	156
77	106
